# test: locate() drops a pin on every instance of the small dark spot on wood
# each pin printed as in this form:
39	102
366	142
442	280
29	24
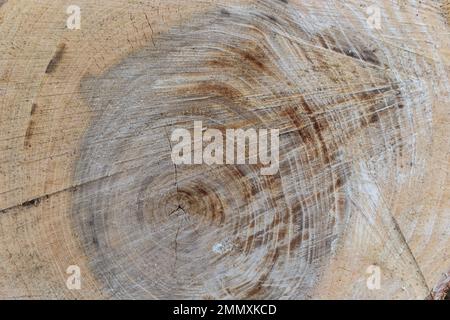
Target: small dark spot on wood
351	53
369	56
339	183
34	202
225	12
364	55
95	242
33	108
51	67
373	118
272	18
28	133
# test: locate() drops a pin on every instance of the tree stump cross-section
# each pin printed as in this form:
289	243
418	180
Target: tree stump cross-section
92	205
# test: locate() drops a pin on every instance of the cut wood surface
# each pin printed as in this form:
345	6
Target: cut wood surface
87	180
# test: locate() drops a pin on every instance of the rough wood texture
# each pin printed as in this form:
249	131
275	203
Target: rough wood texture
85	171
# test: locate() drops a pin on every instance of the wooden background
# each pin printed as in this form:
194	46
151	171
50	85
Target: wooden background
86	177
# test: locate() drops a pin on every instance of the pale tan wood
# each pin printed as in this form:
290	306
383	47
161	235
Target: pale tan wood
85	171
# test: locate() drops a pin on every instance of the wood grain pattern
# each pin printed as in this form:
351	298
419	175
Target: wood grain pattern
86	176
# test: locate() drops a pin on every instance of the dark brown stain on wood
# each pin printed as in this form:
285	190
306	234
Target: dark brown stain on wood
57	57
33	109
28	133
30	127
34	202
217	89
311	132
